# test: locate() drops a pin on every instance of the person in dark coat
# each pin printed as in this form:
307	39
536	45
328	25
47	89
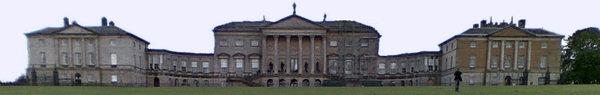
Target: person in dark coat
457	78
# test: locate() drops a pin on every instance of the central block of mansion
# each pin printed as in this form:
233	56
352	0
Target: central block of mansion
292	52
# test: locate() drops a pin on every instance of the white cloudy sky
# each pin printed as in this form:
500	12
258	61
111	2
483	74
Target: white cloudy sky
406	26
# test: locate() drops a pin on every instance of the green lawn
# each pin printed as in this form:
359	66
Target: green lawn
430	90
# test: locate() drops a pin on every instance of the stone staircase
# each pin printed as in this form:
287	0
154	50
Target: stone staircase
247	80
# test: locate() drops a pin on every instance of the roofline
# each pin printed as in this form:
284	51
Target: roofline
455	36
95	33
294	15
413	53
175	52
134	36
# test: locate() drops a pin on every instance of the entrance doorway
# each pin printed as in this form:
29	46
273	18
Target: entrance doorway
156	82
507	80
77	79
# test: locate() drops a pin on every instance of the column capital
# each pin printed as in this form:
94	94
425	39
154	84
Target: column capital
288	36
312	36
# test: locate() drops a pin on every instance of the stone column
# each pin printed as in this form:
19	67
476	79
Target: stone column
324	60
516	55
528	55
489	50
502	55
70	54
264	65
276	57
301	67
312	54
287	55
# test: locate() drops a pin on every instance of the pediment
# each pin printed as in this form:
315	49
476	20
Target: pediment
294	22
75	30
512	31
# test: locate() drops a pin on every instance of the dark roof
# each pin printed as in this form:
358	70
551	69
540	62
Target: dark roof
242	26
412	54
487	31
255	26
101	30
181	53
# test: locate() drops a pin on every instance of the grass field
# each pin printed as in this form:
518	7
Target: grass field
430	90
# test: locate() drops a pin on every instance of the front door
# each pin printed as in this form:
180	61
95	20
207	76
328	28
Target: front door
77	79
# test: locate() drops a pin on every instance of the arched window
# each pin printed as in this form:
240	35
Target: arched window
401	83
294	83
270	83
282	67
305	83
306	67
206	83
270	67
184	83
281	83
176	84
317	83
317	66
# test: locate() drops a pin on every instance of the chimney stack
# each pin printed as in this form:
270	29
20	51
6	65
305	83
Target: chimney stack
104	24
522	23
482	23
475	25
66	22
111	23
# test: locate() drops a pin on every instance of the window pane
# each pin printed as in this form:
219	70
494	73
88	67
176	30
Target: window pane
348	67
333	43
393	68
494	61
543	62
194	64
114	78
239	63
472	61
223	42
507	61
381	68
239	43
43	57
254	63
521	61
223	63
254	43
495	45
91	58
113	58
544	45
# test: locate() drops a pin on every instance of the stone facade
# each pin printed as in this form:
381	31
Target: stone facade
291	52
77	55
504	54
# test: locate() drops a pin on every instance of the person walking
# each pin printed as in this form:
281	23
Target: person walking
457	78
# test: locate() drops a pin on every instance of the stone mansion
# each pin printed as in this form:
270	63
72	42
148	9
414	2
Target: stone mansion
291	52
